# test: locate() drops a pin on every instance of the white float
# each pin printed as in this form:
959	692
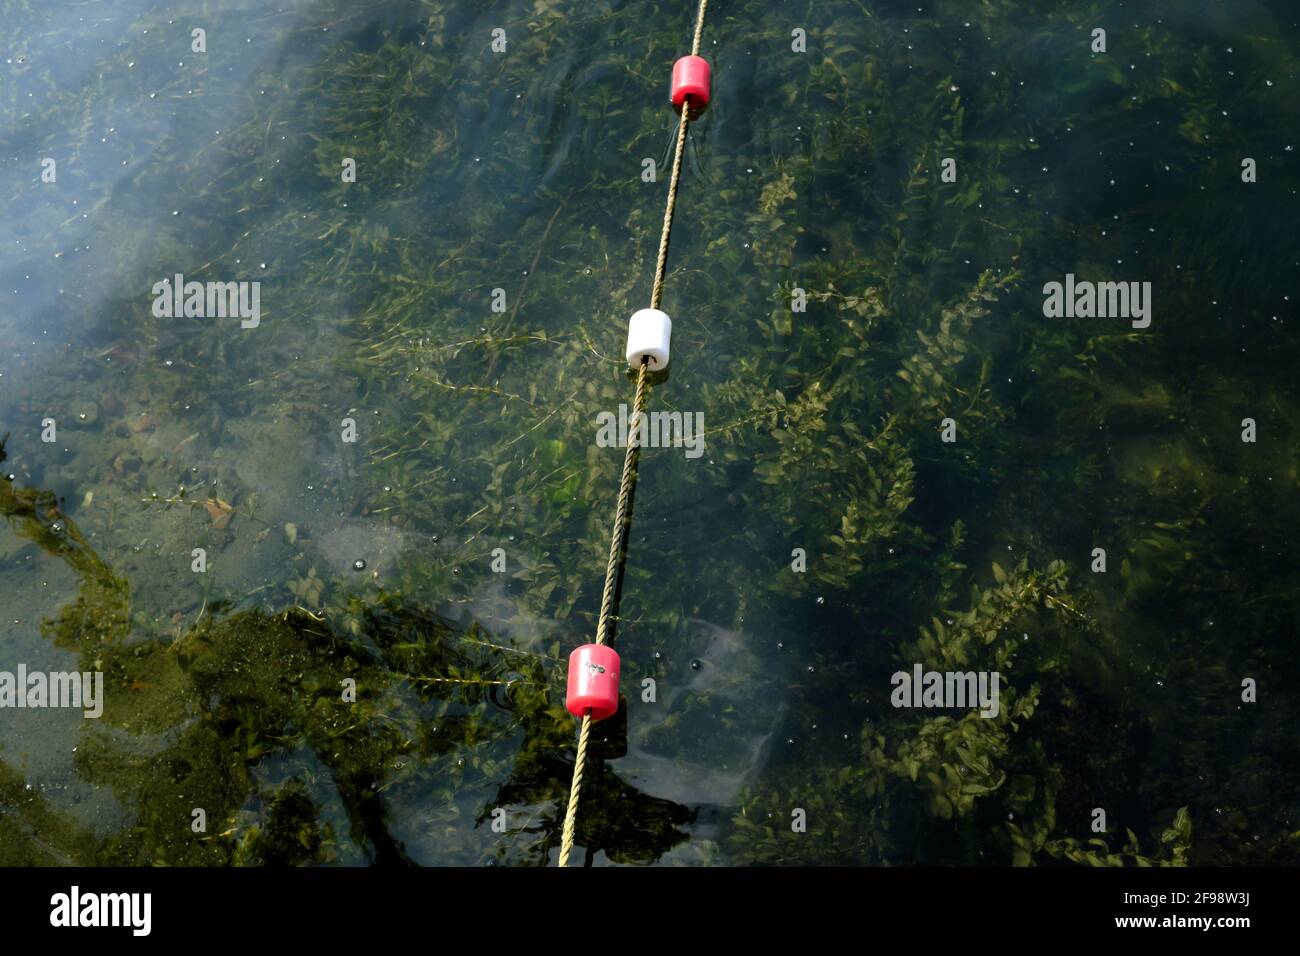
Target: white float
649	333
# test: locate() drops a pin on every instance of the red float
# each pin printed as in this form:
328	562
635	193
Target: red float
593	681
691	78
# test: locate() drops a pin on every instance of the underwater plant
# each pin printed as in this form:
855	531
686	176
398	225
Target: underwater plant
841	310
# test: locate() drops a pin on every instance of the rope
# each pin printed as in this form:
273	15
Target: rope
617	542
657	292
571	814
699	28
626	487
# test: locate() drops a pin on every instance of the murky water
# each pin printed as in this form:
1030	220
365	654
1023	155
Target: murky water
330	555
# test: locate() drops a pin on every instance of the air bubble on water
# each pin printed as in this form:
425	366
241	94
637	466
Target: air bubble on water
359	564
696	664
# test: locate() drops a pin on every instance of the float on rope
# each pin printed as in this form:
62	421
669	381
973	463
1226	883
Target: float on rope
691	78
592	692
593	681
649	334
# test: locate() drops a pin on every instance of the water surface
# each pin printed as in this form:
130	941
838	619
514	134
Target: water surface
815	174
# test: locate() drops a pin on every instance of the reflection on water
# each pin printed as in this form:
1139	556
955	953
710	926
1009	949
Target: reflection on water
240	720
186	512
708	735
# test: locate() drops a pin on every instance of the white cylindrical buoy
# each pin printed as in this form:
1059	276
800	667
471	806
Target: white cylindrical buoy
649	333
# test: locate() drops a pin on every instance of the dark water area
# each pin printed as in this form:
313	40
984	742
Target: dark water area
330	554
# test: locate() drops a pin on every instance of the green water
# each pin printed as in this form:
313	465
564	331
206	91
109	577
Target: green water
371	561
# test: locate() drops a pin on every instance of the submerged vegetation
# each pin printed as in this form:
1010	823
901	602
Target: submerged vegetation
812	174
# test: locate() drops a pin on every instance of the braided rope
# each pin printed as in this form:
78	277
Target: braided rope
626	487
618	539
617	542
699	28
661	263
571	814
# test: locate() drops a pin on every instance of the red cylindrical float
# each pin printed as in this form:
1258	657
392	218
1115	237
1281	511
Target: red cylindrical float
691	78
593	681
